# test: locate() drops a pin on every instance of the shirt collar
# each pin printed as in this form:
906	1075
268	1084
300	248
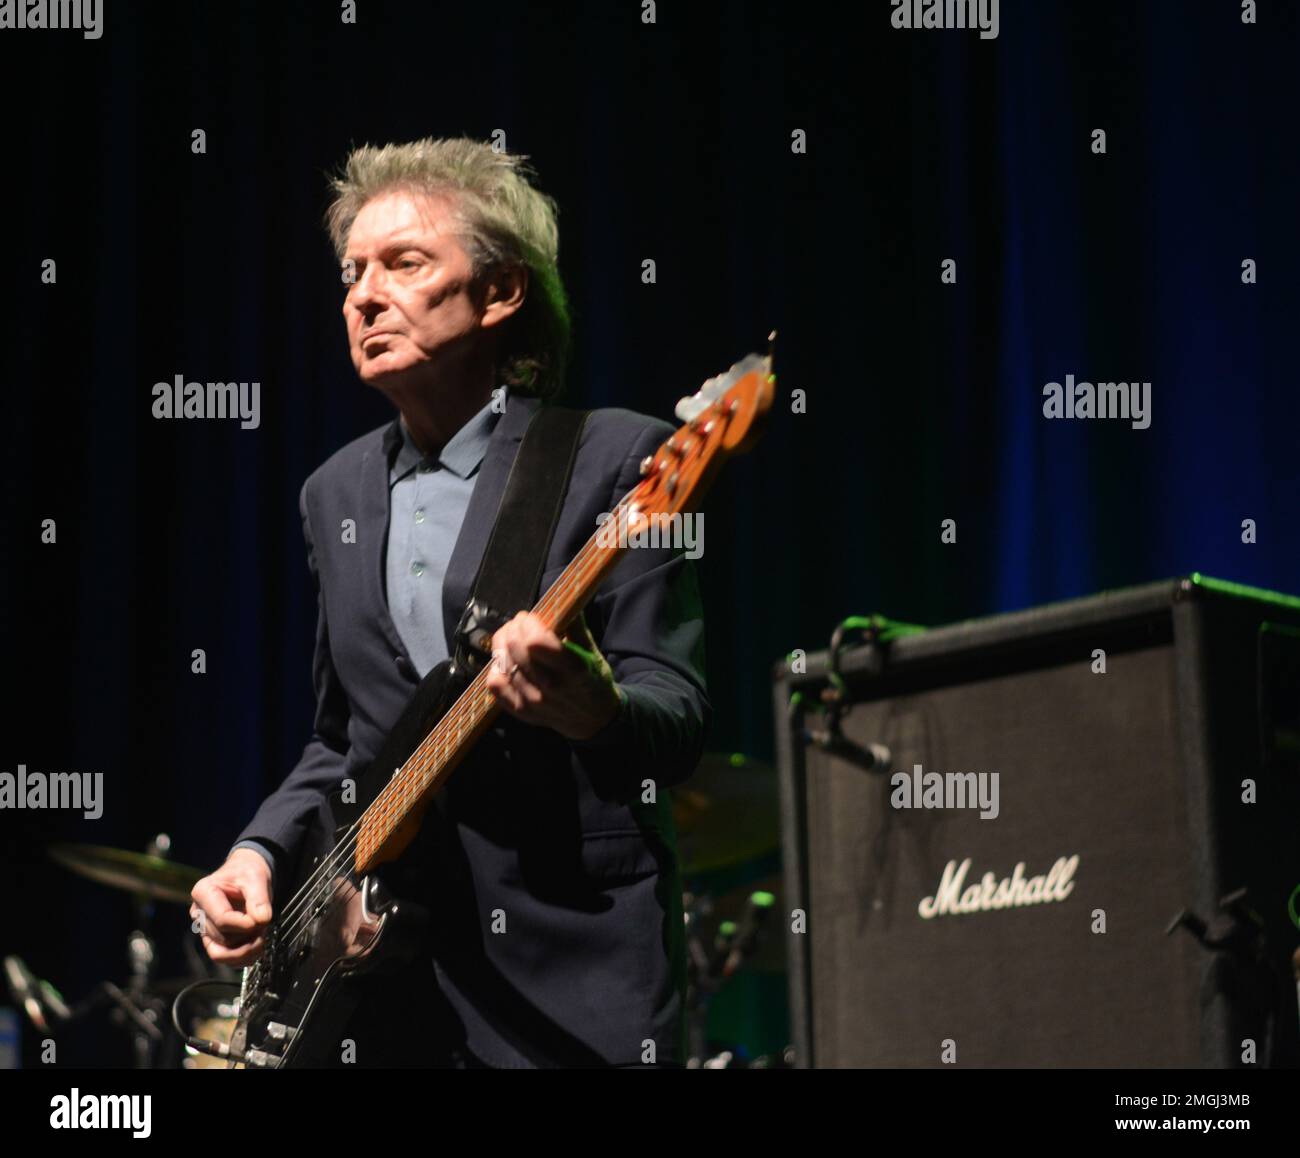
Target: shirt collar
463	452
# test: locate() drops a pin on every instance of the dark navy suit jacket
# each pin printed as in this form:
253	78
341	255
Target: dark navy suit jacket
553	882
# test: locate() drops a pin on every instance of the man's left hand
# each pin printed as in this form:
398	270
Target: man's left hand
563	684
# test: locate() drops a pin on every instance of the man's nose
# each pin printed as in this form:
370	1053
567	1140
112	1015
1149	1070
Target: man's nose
368	290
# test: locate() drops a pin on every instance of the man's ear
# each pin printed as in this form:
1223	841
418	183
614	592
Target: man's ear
504	294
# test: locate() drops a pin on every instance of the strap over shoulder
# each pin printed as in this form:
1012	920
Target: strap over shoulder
510	571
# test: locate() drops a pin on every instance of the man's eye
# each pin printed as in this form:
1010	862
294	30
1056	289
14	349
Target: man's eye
407	263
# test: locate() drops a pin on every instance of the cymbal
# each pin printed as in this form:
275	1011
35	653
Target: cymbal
727	813
135	872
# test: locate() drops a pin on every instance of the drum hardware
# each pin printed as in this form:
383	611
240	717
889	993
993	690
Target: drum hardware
137	1006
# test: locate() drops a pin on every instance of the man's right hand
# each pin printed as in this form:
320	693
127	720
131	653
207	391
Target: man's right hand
233	908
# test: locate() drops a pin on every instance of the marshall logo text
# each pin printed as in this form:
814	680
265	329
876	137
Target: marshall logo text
955	896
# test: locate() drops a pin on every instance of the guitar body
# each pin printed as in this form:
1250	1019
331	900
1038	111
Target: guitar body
322	958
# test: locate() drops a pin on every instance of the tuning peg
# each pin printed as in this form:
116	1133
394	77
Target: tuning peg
690	408
715	388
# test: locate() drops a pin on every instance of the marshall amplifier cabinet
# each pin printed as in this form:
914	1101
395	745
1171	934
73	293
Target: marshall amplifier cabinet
1062	837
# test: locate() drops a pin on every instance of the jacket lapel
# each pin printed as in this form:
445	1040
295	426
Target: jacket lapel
375	512
489	489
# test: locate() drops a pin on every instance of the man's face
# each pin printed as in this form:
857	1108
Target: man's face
411	314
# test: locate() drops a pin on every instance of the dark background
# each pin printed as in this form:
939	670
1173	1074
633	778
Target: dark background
669	141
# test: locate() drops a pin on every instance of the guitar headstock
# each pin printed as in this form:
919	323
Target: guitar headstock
720	419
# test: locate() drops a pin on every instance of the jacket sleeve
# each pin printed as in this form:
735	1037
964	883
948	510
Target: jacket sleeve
285	815
648	620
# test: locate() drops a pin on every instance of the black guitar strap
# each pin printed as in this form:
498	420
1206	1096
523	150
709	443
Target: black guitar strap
510	572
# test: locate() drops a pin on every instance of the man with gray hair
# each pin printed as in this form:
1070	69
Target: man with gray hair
556	902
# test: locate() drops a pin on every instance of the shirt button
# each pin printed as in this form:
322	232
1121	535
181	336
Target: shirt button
417	569
419	515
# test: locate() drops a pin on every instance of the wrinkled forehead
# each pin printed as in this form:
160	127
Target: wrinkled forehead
406	214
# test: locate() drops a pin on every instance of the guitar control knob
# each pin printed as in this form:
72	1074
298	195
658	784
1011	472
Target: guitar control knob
258	1059
647	463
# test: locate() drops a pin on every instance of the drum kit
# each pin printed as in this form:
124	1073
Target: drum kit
728	825
139	1005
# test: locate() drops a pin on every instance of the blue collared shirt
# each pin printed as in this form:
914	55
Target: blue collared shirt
427	504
